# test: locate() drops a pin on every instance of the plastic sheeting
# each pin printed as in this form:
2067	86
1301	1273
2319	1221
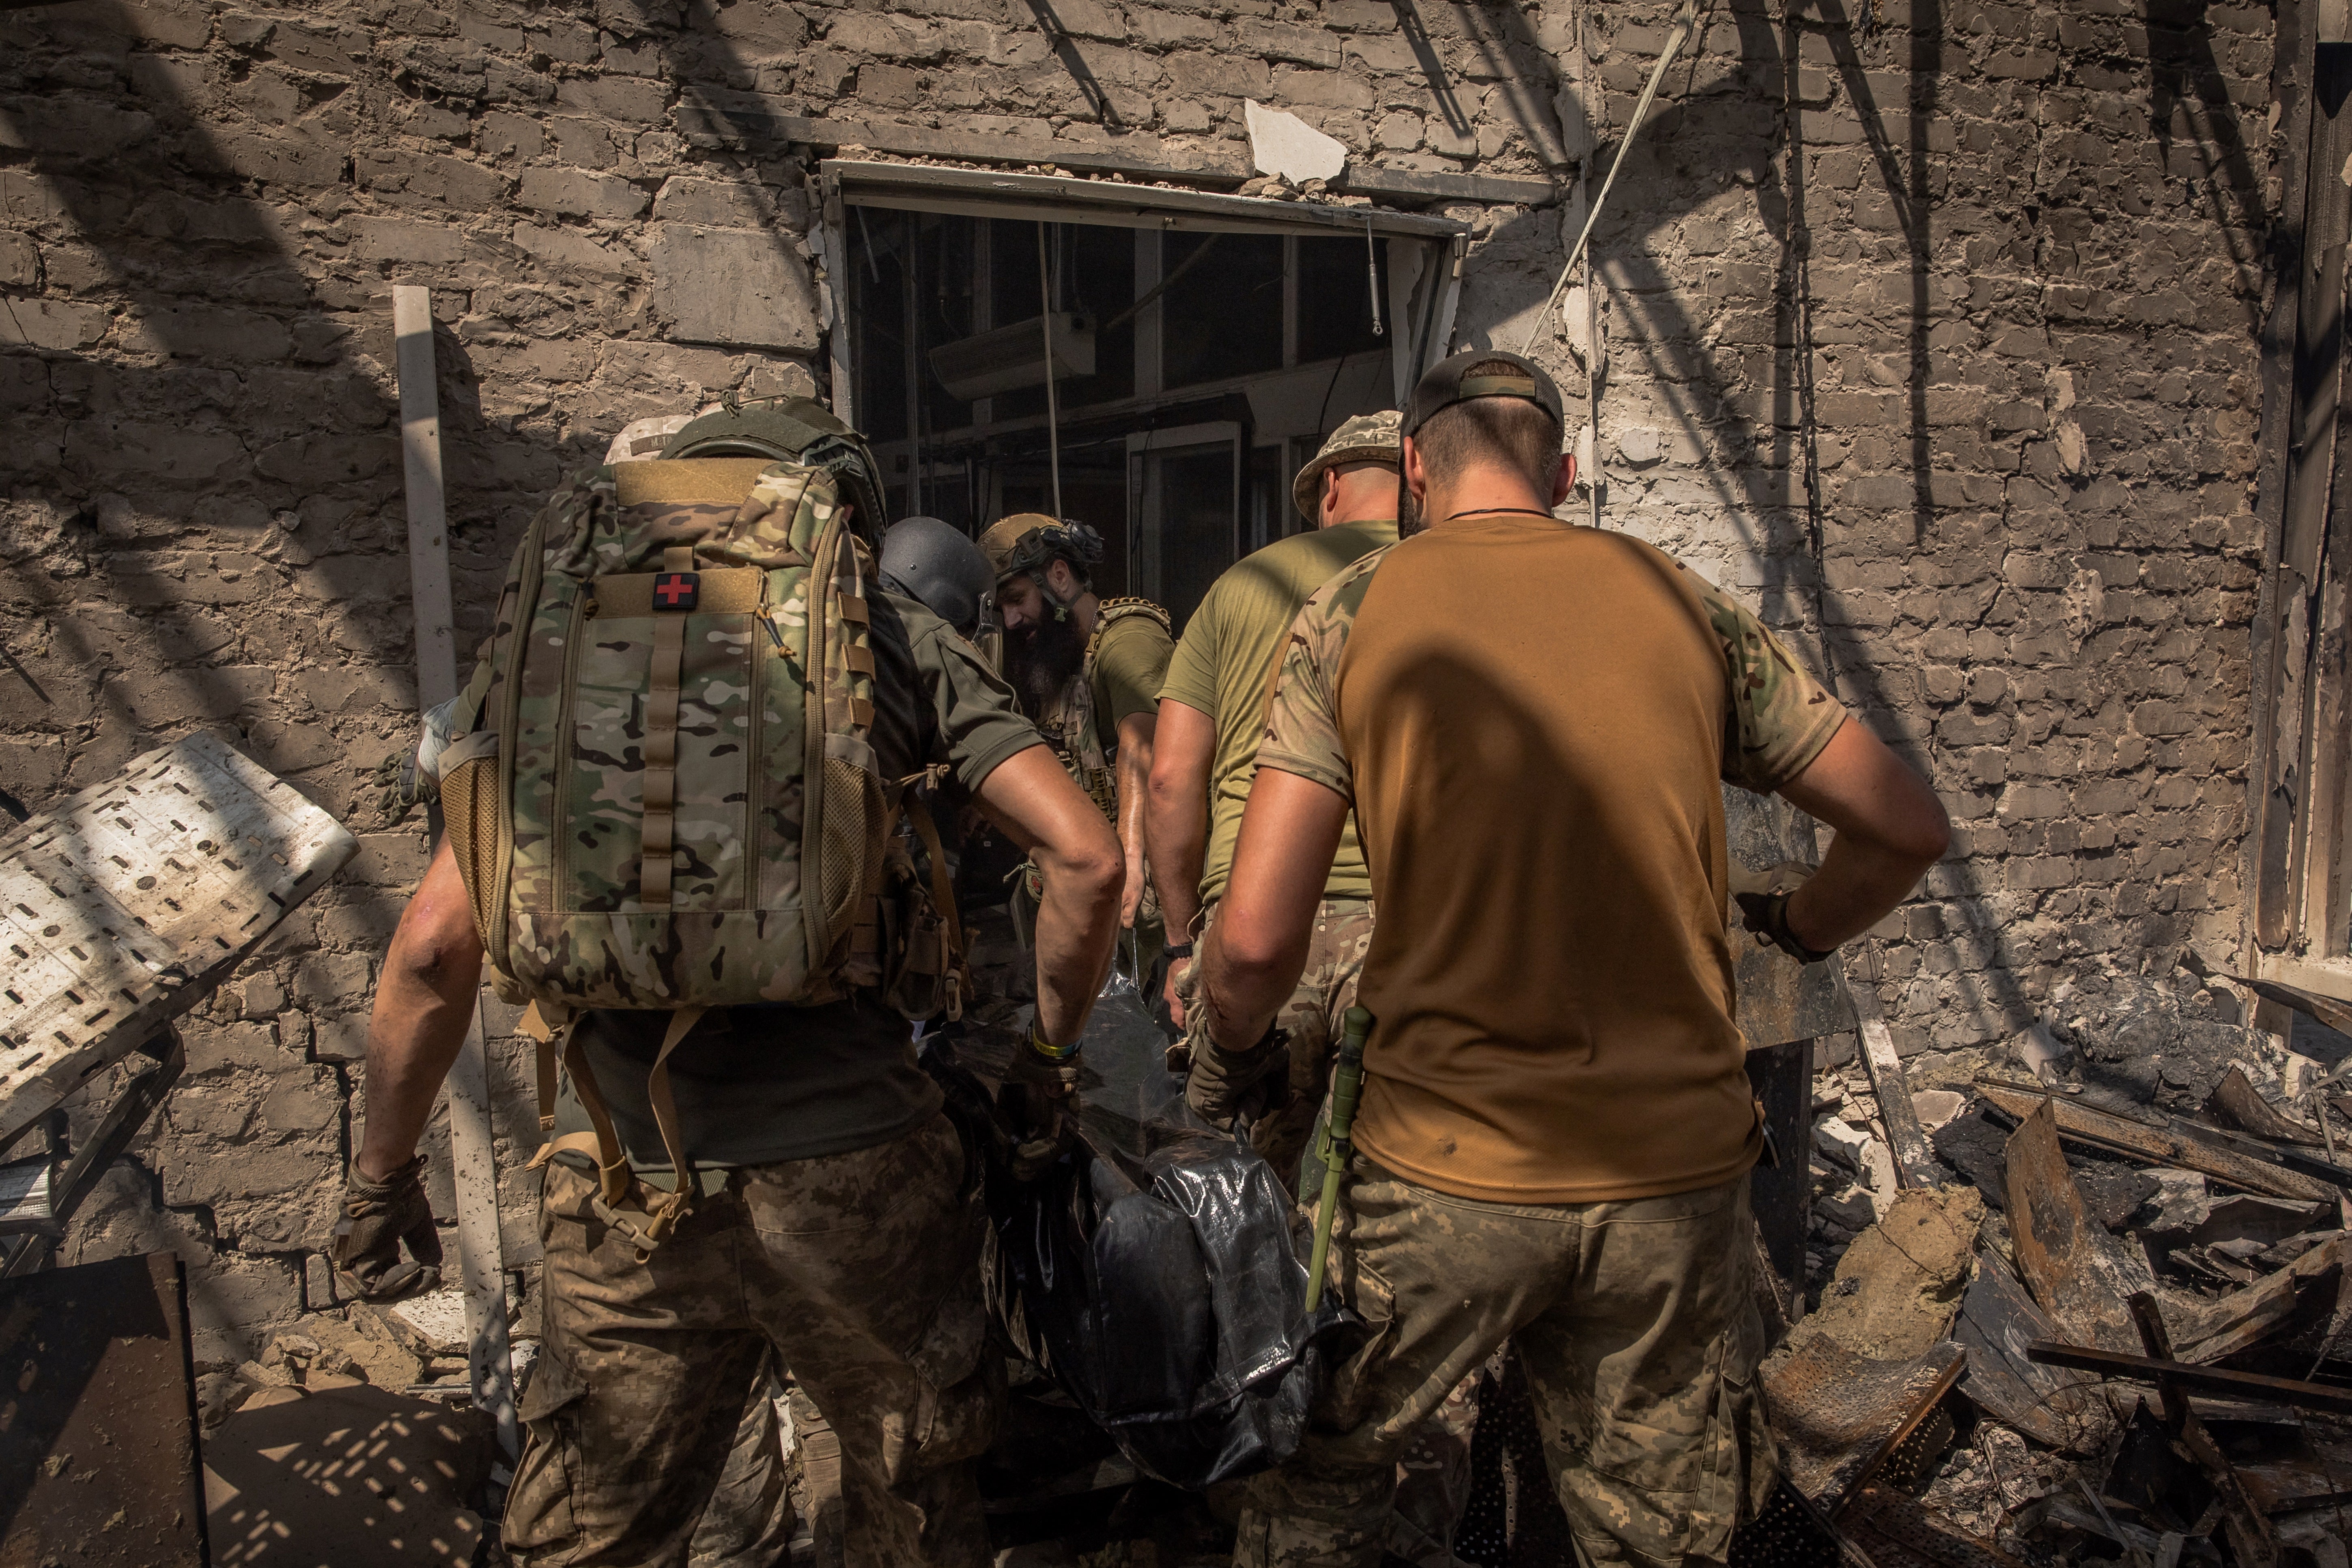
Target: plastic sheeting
1152	1271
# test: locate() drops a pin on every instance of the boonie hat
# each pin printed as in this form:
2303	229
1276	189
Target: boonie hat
1449	382
1365	438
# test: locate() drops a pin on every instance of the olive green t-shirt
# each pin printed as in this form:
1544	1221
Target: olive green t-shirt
1531	719
1130	663
1225	665
756	1085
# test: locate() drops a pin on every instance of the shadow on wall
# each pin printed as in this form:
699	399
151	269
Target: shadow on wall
1738	382
204	496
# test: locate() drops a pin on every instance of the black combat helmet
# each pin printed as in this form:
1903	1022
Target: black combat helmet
925	559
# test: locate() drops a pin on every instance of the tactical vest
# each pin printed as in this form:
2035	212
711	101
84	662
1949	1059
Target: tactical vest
1067	721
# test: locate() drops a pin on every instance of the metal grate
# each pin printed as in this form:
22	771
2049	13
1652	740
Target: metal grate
121	909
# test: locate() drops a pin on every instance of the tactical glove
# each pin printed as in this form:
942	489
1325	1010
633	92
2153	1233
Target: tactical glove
1767	914
1040	1100
377	1218
1252	1083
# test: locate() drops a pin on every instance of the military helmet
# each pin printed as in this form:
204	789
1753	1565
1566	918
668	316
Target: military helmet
789	430
1029	541
928	561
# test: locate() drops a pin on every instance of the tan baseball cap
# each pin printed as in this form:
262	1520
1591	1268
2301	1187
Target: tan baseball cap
1365	438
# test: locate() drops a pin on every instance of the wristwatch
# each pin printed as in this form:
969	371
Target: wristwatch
1178	950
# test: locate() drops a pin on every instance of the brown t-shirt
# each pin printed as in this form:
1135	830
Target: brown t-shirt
1530	718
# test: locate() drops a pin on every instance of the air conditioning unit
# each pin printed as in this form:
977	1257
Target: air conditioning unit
1007	358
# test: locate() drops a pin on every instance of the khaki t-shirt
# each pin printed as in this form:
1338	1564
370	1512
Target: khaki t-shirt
1225	662
1130	663
1530	718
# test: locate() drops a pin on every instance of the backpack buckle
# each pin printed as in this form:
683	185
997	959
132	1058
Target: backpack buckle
648	1228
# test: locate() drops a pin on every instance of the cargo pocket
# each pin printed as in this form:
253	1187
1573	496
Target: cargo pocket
1357	1375
539	1516
961	1386
1742	1460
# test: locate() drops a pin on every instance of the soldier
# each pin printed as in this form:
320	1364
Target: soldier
1529	719
1211	717
830	1224
1088	671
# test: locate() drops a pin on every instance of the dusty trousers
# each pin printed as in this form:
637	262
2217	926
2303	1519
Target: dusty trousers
861	1270
1640	1340
1326	990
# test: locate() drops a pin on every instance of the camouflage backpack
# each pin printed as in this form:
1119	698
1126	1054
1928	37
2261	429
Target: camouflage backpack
662	792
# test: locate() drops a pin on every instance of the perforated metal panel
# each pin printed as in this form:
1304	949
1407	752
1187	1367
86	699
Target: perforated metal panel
126	906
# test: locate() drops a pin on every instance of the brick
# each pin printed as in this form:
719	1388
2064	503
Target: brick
570	248
56	324
203	331
575	193
628	99
272	160
395	240
70	126
737	288
500	134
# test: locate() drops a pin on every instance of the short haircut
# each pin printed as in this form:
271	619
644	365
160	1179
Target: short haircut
1511	431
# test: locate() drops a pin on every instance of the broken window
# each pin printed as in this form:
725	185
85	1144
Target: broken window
1198	348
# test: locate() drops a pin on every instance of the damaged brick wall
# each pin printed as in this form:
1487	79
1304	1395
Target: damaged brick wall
2019	258
1987	283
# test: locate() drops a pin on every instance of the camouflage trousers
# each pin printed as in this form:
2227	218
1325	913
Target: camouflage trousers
1326	990
859	1270
1640	1340
748	1522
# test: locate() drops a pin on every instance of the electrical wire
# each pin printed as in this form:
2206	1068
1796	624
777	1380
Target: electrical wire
1053	416
1685	21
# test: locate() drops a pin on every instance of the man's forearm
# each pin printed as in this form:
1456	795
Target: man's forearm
1256	949
1077	924
1858	885
1890	830
424	1000
1034	800
1177	828
1134	802
1243	994
418	1026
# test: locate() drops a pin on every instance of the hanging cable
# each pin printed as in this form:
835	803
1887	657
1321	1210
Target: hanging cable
1052	419
1685	21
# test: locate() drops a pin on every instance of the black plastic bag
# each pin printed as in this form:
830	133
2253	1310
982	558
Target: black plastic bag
1152	1271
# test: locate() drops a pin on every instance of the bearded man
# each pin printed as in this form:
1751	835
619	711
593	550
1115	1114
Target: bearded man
1087	672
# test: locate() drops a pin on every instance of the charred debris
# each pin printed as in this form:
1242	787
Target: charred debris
2108	1319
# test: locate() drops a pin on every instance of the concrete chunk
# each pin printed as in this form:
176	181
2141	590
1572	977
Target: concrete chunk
1281	144
737	288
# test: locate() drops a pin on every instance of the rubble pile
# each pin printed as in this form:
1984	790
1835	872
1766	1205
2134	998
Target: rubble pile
2114	1322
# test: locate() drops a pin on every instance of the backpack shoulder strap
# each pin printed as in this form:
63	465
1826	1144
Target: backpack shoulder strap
943	899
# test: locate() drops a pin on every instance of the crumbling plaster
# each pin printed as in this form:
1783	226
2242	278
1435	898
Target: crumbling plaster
1933	333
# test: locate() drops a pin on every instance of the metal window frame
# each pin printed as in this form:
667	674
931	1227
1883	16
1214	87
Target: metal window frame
1417	338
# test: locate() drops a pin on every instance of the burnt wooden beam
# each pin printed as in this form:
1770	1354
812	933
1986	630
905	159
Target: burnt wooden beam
2189	1374
2212	1154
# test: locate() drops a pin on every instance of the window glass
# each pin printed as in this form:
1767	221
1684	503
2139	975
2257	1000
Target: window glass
1335	299
1222	317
